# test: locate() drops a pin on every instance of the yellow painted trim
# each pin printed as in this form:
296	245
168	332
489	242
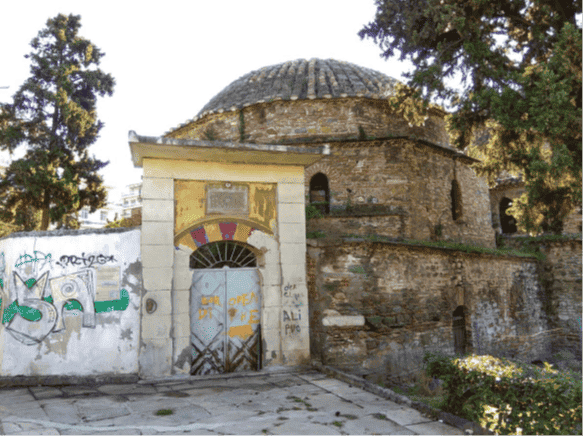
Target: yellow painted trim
220	171
213	232
242	232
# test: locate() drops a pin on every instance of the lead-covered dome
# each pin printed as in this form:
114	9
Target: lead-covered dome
299	80
307	101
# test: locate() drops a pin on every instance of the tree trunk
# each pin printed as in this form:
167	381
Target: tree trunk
44	223
45	219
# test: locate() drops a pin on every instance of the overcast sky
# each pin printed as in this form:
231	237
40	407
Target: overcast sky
170	58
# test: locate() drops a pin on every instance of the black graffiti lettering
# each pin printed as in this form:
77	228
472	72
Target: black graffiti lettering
88	261
292	329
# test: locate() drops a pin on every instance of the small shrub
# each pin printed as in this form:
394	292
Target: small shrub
318	234
509	397
313	212
164	412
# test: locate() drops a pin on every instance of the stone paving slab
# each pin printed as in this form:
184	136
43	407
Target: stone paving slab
292	403
63	412
78	390
434	428
371	425
129	431
98	412
42	392
26	428
32	411
21	398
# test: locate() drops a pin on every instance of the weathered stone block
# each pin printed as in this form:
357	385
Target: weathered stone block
155	358
157	256
156	326
157	278
158	188
157	210
156	233
291	193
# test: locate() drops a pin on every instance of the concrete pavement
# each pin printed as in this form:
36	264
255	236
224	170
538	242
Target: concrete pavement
304	402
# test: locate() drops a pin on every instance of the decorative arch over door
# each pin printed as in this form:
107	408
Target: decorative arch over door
220	229
225	309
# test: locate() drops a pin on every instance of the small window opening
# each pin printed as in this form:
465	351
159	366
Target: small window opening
507	222
456	201
320	193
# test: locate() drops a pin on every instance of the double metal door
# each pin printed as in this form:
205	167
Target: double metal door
225	314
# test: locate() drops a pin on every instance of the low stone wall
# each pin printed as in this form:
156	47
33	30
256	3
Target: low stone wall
377	307
70	303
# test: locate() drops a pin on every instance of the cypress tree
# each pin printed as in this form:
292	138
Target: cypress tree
54	115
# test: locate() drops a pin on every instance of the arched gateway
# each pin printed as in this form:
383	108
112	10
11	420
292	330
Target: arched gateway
225	309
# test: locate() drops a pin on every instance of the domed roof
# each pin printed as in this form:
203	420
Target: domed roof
298	80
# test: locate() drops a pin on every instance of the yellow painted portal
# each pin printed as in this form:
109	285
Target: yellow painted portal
195	225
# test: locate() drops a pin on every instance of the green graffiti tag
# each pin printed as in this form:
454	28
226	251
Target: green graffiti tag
108	306
27	258
31	314
9	312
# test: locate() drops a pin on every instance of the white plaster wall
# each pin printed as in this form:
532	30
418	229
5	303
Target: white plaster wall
106	343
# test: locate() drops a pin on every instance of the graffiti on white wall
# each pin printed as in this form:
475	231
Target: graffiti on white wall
35	296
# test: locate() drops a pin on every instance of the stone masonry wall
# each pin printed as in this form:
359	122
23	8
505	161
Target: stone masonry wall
311	120
563	262
402	189
376	308
561	273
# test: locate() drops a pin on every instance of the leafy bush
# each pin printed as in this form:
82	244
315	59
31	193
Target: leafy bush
509	397
313	212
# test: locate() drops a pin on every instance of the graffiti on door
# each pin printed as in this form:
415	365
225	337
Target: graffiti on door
35	296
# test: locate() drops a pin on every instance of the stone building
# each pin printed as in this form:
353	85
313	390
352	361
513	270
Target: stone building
222	277
382	176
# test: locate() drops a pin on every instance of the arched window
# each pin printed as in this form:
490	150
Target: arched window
223	253
457	210
459	330
320	193
507	222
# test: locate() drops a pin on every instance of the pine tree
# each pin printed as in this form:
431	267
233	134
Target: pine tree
54	115
518	107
